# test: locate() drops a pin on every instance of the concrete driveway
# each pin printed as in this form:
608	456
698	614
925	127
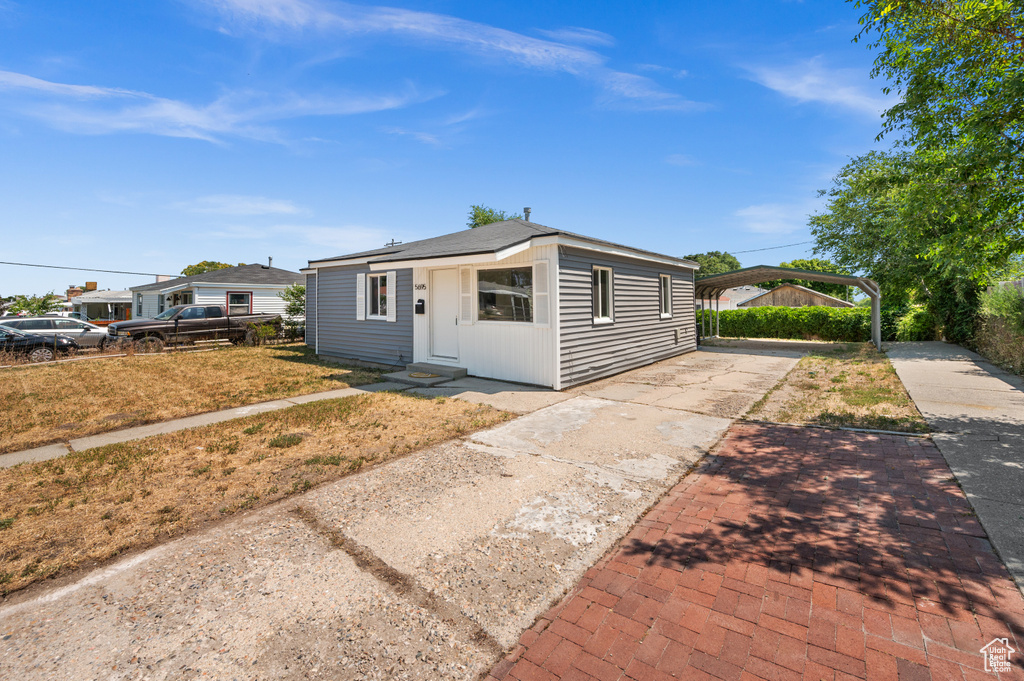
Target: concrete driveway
428	567
977	413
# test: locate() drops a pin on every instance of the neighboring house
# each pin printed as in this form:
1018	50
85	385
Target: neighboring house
103	306
792	295
730	299
512	300
246	289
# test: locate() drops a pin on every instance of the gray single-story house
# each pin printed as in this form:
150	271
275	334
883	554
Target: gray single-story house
513	300
246	289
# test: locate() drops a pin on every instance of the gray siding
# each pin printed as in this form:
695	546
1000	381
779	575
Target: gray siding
371	340
311	310
638	335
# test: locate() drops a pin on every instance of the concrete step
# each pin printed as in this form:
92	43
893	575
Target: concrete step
439	369
423	382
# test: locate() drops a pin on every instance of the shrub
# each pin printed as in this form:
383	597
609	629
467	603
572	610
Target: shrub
1007	303
849	324
918	324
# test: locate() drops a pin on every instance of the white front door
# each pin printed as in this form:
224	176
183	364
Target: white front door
444	313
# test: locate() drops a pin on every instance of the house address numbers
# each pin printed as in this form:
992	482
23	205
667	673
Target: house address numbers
420	287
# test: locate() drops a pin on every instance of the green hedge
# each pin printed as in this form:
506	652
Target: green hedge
843	324
851	324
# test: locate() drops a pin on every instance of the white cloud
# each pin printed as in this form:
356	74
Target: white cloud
335	240
90	109
425	137
278	18
775	218
583	36
234	204
812	81
680	160
675	73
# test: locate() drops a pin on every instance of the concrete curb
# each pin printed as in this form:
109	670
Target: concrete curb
59	449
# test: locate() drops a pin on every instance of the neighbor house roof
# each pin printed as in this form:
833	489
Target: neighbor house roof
816	294
104	297
256	275
487	239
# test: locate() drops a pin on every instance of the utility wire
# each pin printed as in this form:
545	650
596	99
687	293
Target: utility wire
84	269
772	248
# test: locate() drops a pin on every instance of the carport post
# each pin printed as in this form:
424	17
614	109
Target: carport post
876	320
874	292
718	312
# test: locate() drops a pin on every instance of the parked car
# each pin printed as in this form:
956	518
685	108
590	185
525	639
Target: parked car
85	334
38	348
188	324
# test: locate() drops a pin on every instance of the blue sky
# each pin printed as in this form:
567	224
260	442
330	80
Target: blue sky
146	136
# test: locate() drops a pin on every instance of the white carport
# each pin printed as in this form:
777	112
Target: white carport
711	287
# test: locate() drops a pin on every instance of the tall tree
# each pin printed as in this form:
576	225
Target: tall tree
204	267
887	218
715	262
958	66
484	215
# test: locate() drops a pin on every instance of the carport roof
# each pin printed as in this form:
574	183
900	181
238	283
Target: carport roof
761	273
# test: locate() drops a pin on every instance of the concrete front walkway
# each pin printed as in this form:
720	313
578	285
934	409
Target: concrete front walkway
428	567
977	413
791	553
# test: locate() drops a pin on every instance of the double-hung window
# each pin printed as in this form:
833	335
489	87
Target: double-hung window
665	282
378	296
602	291
239	302
138	304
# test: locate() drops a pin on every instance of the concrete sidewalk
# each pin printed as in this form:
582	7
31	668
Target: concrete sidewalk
977	413
58	449
428	567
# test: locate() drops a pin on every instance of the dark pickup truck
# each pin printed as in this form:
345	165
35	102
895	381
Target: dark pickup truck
188	324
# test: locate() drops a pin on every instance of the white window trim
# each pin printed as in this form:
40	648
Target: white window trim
610	319
505	266
369	296
665	295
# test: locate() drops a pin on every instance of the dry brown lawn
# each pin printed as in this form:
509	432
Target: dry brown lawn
89	506
853	385
44	404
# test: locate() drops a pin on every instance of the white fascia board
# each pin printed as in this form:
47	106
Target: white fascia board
612	250
309	270
434	262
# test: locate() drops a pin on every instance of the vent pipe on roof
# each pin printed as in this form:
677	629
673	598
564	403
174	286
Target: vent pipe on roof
526	213
270	262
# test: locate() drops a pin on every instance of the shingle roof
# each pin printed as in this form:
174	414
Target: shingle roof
104	297
243	274
490	238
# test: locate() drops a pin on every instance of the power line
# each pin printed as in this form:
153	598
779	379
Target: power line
772	248
84	269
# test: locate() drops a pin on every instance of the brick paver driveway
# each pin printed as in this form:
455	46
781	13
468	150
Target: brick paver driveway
791	554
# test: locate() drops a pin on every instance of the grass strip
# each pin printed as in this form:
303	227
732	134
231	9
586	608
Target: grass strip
89	506
45	404
852	385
